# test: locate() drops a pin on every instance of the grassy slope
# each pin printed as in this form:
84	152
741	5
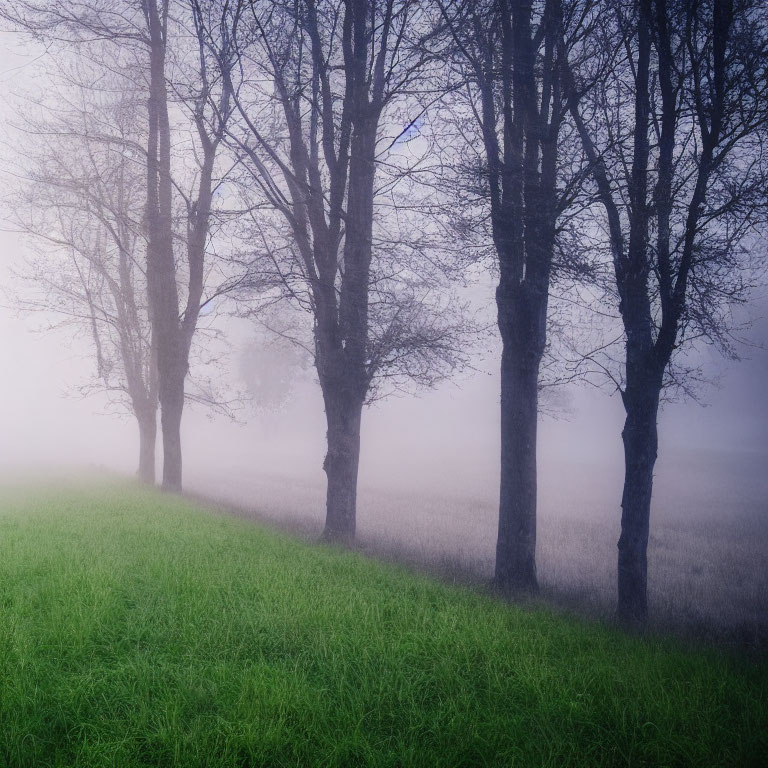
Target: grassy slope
136	629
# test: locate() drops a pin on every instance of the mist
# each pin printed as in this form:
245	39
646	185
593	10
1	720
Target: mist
429	471
441	442
429	463
384	383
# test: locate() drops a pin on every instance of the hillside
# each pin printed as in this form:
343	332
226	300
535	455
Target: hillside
138	629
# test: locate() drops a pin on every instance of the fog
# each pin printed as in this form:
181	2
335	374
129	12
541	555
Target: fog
429	461
440	442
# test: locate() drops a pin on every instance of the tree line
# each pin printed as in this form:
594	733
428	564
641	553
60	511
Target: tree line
352	161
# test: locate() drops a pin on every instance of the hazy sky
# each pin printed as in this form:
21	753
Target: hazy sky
444	440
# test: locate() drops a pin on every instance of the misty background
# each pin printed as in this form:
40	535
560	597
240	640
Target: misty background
409	442
437	451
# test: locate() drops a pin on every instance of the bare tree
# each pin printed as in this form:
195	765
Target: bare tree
317	91
160	35
173	325
675	137
507	57
82	201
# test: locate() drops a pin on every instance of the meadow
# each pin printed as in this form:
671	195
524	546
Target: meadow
708	549
138	629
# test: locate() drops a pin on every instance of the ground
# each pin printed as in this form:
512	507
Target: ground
708	574
138	629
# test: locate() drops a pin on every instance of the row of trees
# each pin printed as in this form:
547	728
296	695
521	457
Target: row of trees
344	156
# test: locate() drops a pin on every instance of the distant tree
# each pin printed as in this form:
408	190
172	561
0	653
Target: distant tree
82	203
319	88
181	165
271	368
675	134
208	101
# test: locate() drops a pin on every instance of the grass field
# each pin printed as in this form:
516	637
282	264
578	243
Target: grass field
707	554
140	630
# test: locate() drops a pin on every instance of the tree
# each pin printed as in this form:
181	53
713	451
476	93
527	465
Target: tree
318	89
674	137
160	35
509	55
82	200
210	110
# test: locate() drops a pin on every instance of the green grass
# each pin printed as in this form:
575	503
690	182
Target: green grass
139	630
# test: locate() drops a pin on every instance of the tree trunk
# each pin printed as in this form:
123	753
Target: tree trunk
516	544
343	415
640	446
147	441
172	405
161	268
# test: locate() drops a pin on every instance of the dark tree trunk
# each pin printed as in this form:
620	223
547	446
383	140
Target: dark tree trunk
147	441
161	267
650	344
516	543
640	447
523	195
344	390
172	406
343	415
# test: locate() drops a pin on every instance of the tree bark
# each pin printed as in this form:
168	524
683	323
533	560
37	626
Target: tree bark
147	442
516	543
343	415
172	406
161	268
640	437
344	390
523	196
